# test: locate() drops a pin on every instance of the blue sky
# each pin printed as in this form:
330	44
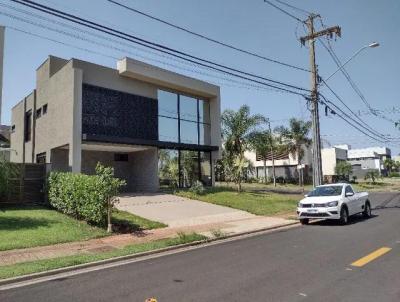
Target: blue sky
252	25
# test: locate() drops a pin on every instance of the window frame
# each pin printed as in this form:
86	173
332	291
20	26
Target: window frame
179	118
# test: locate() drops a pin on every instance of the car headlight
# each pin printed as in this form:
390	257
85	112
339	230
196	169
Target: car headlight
332	203
299	205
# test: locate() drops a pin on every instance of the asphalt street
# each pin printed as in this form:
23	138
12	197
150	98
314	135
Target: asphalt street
307	263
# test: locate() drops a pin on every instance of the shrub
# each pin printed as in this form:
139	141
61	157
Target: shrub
394	174
4	176
85	197
197	188
7	171
372	175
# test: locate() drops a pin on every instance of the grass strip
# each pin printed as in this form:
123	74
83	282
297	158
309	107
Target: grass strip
24	268
259	203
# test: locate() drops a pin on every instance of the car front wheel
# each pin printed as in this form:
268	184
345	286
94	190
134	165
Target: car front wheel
344	216
304	221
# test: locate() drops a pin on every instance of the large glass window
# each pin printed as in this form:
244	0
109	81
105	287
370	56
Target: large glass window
204	111
167	104
189	168
168	129
183	168
189	115
188	108
205	167
168	168
189	132
204	134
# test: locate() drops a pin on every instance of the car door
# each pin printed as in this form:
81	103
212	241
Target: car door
351	200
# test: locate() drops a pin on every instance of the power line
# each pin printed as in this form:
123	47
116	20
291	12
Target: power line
294	7
60	42
359	126
283	11
355	87
246	85
356	116
202	36
158	47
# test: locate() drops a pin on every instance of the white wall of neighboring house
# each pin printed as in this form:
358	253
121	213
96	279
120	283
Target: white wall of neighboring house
290	161
330	157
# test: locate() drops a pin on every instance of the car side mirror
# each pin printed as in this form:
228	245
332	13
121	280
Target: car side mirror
348	194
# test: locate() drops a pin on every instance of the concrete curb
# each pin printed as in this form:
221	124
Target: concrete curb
182	247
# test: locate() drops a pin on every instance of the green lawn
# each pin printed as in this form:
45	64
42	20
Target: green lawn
295	188
30	226
134	222
9	271
256	203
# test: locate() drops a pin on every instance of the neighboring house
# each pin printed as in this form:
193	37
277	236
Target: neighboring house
82	113
367	159
330	157
286	165
5	142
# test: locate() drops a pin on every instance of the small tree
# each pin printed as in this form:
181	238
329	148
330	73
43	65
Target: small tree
236	128
389	165
4	176
295	137
111	187
372	175
343	169
261	143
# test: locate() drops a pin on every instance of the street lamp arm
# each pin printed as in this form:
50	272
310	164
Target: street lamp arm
345	63
372	45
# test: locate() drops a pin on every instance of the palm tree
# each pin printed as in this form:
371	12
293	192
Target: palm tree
265	145
295	137
237	127
389	164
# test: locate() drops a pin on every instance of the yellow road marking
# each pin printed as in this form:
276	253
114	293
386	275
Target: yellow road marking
370	257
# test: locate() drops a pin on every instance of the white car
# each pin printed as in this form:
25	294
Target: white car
333	201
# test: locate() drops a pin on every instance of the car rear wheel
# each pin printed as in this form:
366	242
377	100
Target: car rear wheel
344	216
367	210
304	221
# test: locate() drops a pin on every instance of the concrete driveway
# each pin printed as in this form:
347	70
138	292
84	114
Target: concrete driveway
177	211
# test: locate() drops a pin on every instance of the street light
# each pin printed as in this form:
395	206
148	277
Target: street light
371	45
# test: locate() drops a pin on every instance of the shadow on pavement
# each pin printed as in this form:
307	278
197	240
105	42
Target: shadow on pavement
353	220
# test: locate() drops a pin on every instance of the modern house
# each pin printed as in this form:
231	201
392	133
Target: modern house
366	159
286	164
4	142
152	125
330	157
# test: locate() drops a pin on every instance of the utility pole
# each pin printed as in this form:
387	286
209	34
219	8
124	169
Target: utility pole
272	152
316	138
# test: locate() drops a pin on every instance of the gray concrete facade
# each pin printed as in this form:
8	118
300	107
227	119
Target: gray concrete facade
55	125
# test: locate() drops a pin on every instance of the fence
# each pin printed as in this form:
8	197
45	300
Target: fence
26	183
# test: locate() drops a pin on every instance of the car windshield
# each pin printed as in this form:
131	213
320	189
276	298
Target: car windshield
326	191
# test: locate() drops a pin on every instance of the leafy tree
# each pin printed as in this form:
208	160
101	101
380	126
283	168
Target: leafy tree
372	175
343	169
264	144
110	186
237	127
168	167
295	137
389	164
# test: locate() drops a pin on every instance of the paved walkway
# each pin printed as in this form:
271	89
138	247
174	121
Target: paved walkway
92	246
178	211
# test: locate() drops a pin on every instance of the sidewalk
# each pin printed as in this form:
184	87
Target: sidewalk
119	241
